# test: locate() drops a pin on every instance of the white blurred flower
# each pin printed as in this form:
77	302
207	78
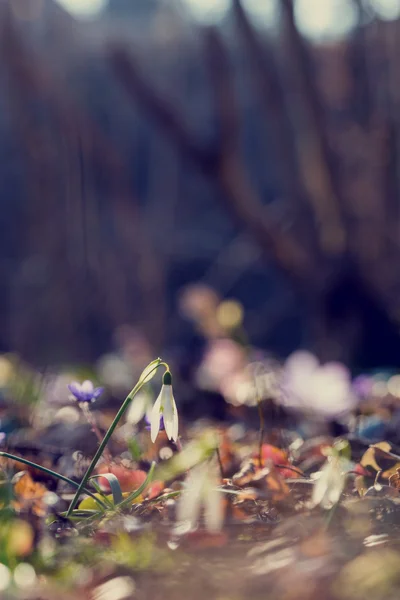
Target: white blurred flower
115	372
165	407
329	486
202	492
321	389
222	359
55	388
140	407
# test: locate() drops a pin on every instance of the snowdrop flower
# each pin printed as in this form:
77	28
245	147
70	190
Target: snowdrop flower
321	389
84	392
201	492
329	486
165	407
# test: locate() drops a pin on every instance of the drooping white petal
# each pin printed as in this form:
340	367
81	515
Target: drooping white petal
168	410
176	426
175	419
155	419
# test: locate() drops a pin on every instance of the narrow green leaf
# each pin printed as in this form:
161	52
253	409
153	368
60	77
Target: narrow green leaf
98	489
51	473
79	514
114	485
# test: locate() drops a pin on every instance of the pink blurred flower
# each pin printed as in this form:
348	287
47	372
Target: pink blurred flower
223	359
325	390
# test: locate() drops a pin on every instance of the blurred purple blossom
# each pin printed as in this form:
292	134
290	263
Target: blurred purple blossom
85	392
363	386
325	390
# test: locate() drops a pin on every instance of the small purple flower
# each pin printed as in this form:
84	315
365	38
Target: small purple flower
363	386
84	392
148	421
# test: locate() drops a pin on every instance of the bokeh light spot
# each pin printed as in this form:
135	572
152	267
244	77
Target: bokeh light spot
328	19
386	9
83	8
207	12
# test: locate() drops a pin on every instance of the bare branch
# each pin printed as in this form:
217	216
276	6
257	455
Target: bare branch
29	79
224	167
314	155
274	108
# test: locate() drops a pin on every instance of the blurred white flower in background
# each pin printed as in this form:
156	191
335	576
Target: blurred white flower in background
55	390
324	390
202	493
330	483
222	359
140	407
115	372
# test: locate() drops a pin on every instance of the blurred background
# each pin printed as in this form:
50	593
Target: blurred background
179	171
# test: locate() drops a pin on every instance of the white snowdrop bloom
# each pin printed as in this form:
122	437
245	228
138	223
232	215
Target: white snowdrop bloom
165	407
329	486
202	493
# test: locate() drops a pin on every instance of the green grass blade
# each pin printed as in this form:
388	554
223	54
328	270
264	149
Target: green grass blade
114	485
52	474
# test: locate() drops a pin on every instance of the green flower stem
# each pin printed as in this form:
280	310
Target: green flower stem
52	474
107	436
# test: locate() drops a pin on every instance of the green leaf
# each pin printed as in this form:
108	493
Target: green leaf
114	485
83	513
108	502
50	473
